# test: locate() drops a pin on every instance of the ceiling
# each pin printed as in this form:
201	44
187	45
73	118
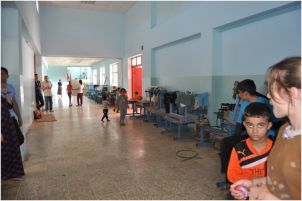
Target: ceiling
71	61
110	6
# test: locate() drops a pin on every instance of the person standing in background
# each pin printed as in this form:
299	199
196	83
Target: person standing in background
60	88
122	103
117	95
39	96
46	87
69	92
8	92
80	94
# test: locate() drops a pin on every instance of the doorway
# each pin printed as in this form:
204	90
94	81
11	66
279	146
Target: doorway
136	73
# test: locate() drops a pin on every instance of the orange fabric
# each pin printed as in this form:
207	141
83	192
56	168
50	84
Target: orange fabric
236	172
137	97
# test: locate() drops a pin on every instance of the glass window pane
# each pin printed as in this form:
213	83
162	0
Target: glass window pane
134	62
139	61
95	76
115	79
114	67
102	75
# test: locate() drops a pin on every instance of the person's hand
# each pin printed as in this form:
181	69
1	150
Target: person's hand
2	138
236	193
261	192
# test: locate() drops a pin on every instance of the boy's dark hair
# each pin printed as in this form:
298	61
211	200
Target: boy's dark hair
4	69
104	97
257	110
246	86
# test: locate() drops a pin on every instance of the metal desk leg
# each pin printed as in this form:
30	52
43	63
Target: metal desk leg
179	131
202	142
201	139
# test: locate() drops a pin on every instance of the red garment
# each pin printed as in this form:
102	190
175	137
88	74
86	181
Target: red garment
69	88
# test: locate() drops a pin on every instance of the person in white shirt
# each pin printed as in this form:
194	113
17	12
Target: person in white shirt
46	87
80	94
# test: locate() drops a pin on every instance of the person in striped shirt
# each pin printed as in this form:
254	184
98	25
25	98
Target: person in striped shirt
248	158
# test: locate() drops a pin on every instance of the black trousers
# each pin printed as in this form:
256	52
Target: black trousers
105	111
39	100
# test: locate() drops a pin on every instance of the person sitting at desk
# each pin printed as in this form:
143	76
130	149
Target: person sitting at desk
137	98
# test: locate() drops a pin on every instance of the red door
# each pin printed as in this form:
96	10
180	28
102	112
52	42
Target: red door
137	80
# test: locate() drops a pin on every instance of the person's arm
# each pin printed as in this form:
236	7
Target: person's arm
42	86
38	85
261	192
17	111
234	172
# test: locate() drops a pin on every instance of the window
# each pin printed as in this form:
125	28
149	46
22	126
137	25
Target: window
139	60
95	76
114	74
136	61
102	75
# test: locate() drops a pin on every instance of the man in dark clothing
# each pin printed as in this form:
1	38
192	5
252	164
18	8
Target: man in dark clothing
39	96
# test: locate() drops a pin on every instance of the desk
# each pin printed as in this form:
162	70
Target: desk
180	124
137	103
212	135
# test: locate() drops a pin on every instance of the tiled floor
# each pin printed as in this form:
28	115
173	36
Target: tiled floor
78	157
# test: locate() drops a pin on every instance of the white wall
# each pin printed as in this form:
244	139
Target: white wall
31	20
74	32
27	93
20	41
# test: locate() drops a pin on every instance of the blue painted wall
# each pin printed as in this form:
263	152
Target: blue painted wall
206	46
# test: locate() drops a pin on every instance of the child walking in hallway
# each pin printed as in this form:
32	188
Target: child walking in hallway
105	108
69	92
122	103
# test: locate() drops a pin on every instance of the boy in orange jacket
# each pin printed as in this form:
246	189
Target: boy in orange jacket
249	157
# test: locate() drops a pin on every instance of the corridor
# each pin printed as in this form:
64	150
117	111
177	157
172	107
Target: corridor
78	157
